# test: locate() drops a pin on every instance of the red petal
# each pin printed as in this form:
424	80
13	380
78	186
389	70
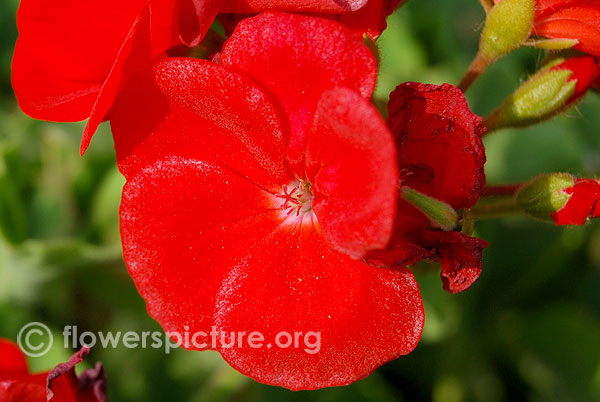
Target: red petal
143	43
460	255
13	361
351	163
195	19
133	56
440	152
198	109
292	282
404	248
184	224
371	19
585	194
65	51
317	6
297	58
21	391
64	386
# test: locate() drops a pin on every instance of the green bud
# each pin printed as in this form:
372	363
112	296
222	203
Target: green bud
543	195
441	215
542	96
507	27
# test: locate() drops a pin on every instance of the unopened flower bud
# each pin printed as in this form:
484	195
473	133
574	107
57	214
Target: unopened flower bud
507	27
440	214
547	93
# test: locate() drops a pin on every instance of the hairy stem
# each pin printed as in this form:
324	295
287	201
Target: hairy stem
477	67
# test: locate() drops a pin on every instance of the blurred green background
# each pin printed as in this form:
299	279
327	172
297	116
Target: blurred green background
528	330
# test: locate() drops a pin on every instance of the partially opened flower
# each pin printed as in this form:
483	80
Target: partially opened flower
570	19
59	385
252	189
567	23
440	155
546	24
561	198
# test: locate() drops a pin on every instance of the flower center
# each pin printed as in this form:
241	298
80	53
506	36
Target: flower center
297	197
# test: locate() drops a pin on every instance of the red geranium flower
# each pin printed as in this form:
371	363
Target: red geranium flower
253	186
570	19
440	154
59	385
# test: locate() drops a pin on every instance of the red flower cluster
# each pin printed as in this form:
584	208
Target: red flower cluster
262	179
59	385
264	190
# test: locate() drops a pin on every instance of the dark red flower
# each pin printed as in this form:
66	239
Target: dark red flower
570	19
440	154
59	385
582	205
252	186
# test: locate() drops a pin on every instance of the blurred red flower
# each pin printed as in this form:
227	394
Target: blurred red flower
253	187
59	385
440	154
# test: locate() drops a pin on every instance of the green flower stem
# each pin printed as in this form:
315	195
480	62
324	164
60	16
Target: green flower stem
495	207
467	222
503	189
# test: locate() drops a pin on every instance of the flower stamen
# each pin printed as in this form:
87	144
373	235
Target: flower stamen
299	199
